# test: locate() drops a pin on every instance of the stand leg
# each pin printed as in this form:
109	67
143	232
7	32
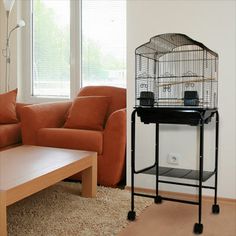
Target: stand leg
198	227
132	214
158	197
215	206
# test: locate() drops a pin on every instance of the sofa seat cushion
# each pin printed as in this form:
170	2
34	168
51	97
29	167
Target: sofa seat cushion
10	134
79	139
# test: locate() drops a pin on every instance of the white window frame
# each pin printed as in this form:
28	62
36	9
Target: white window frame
24	52
25	45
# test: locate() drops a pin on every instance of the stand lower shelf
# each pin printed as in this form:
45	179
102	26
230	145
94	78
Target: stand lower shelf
180	173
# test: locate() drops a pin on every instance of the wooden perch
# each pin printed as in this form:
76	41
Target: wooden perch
184	82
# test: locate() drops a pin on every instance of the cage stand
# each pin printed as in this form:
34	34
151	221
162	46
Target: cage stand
187	116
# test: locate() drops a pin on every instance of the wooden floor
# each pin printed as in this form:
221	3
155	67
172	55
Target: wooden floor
176	219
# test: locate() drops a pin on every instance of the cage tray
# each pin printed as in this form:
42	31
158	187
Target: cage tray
175	115
180	173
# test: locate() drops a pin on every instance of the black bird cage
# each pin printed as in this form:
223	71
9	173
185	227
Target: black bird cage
175	70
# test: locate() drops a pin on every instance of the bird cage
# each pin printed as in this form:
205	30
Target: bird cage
175	70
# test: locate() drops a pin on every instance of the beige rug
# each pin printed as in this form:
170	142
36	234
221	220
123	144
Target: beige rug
59	210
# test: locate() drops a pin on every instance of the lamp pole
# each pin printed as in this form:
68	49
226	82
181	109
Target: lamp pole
6	52
7	55
8	4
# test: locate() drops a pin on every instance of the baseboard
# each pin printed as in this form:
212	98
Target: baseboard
180	195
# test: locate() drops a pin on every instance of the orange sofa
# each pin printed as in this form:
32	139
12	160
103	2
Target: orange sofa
42	124
10	134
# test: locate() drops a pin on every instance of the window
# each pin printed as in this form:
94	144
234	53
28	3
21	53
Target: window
104	42
70	44
51	48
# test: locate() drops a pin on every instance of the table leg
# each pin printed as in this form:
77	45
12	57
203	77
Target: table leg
89	180
3	215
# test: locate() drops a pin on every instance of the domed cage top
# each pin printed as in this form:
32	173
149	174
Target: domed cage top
173	70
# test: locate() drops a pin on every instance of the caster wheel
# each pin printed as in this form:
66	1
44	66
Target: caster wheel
198	228
131	215
215	209
158	200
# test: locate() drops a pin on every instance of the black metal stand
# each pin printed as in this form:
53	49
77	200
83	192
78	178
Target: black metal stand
195	117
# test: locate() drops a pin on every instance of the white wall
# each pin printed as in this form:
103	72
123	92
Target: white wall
214	24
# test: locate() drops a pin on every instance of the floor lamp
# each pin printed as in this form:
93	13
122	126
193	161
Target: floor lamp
8	4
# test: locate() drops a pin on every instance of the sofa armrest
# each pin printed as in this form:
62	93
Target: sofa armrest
114	146
19	107
44	115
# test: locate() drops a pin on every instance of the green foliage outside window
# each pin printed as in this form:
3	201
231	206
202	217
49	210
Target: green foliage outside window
51	45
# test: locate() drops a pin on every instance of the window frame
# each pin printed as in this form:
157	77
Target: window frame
25	57
26	44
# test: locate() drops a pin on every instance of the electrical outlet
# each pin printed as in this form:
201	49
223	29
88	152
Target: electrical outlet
173	158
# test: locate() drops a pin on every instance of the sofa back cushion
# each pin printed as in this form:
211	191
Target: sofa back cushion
8	107
117	95
88	113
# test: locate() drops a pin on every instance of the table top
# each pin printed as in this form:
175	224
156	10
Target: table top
24	163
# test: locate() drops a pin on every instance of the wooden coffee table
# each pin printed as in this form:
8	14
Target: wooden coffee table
25	170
